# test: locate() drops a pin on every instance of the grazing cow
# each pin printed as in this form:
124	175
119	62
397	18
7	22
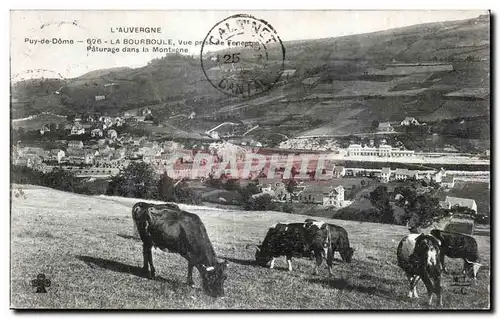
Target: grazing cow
339	240
456	245
296	240
418	256
169	228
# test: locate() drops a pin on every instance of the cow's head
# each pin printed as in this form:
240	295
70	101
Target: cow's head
213	278
348	255
427	251
471	268
261	257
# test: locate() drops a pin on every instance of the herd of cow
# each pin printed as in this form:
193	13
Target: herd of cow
421	256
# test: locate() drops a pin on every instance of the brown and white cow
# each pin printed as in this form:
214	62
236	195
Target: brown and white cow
418	255
296	240
169	228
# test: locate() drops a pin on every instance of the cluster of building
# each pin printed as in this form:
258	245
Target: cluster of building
102	126
325	195
309	144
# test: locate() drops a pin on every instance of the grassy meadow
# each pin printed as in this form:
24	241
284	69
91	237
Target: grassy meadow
86	246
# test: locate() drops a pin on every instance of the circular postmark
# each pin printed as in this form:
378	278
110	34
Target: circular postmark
242	56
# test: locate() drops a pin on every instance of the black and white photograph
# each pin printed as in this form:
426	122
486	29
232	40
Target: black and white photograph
250	160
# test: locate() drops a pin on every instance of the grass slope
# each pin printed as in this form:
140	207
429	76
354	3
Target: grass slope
85	246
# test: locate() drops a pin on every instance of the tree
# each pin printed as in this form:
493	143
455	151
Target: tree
249	190
263	202
52	127
423	209
166	188
290	187
137	180
380	200
375	124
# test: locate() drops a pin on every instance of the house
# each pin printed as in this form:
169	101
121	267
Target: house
335	198
77	129
99	97
309	196
448	181
56	154
27	160
287	74
75	144
106	120
112	134
44	129
96	132
310	82
192	115
33	151
438	176
214	135
339	171
409	121
385	127
460	202
401	174
385	174
119	121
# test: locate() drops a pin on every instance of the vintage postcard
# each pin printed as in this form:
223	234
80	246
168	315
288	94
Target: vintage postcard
334	160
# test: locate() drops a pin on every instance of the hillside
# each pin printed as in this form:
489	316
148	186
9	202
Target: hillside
86	247
357	83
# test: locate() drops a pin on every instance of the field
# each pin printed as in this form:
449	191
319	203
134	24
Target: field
86	247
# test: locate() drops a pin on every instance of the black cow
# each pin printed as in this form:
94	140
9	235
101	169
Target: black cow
296	240
169	228
456	245
418	256
339	241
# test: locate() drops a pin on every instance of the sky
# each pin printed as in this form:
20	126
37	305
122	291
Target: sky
63	59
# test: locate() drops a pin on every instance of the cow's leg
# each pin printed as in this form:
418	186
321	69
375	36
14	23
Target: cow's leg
272	263
441	259
329	261
410	291
150	260
430	287
414	279
145	248
319	260
190	281
289	262
438	292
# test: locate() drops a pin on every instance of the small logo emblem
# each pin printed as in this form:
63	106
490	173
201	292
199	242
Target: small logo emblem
41	282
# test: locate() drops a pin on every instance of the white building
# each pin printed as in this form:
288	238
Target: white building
57	154
96	132
77	129
385	127
460	202
385	174
381	151
335	198
112	134
339	171
409	121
